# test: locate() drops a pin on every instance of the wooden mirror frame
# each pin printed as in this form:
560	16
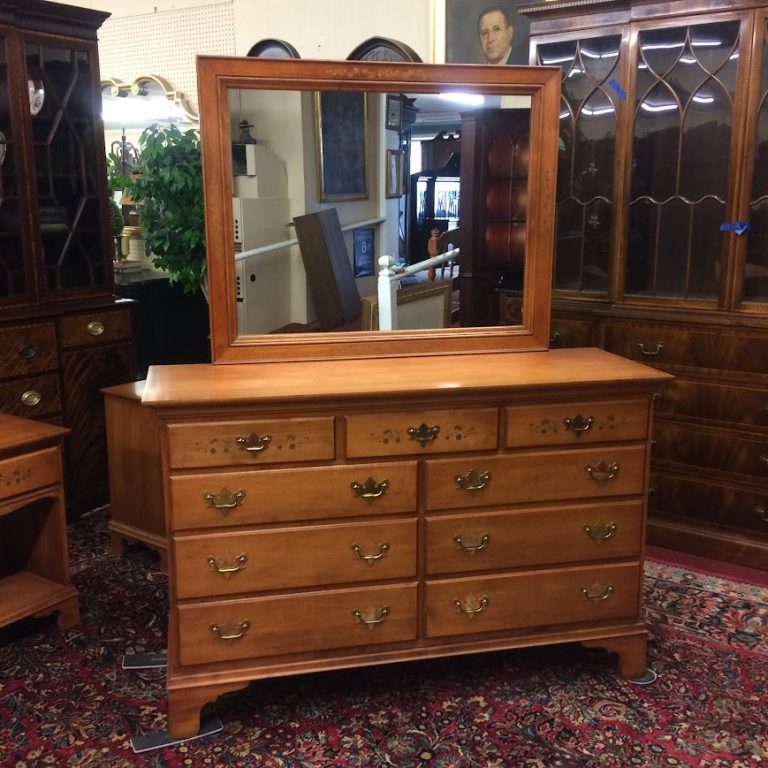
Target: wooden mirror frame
216	75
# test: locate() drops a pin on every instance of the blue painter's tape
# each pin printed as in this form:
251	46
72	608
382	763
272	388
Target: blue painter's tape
614	83
739	227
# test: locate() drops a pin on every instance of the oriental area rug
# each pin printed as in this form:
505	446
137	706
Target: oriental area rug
66	701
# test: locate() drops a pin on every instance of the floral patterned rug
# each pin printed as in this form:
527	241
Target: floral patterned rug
65	701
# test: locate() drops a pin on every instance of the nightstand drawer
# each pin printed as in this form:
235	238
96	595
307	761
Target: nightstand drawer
576	423
287	558
296	623
540	599
35	396
285	495
26	473
495	540
94	328
482	481
27	349
253	443
421	432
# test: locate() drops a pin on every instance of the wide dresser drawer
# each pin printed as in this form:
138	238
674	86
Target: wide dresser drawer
22	474
27	349
532	599
33	396
296	623
536	476
289	558
99	327
283	495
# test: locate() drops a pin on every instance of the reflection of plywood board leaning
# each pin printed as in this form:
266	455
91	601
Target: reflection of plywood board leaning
418	306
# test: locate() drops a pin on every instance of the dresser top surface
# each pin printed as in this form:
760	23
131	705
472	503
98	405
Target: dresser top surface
17	434
403	376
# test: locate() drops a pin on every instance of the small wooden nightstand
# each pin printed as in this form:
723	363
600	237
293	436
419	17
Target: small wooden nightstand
34	560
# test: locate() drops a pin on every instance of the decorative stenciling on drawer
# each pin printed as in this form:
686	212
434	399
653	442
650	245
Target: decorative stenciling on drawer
26	473
578	425
423	434
15	477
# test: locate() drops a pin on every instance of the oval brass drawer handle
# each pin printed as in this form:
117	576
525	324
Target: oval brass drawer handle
227	568
579	424
762	513
371	616
230	632
254	443
423	434
473	480
470	549
381	550
26	351
470	608
370	489
95	327
650	352
31	398
597	592
225	499
603	471
600	531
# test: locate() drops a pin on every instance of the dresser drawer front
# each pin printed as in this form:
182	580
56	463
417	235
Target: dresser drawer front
576	423
297	623
27	473
259	561
438	431
36	396
27	349
251	443
540	476
541	599
494	540
99	327
285	495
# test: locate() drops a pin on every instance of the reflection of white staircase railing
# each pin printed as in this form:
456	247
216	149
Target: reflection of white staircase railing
390	276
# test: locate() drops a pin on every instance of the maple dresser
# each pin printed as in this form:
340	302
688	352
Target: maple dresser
332	514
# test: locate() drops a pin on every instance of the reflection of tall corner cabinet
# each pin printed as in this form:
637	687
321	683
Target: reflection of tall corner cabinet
62	334
664	138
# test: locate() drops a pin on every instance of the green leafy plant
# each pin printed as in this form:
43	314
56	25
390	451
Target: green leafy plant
168	187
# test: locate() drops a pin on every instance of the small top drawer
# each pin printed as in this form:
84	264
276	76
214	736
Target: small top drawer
27	349
22	474
575	423
421	432
94	328
253	443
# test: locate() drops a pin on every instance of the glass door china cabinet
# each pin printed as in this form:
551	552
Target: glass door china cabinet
662	240
63	336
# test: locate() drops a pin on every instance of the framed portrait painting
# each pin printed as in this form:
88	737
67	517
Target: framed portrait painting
482	31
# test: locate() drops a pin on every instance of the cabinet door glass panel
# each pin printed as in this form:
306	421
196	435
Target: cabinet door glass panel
590	95
66	167
683	116
756	267
14	283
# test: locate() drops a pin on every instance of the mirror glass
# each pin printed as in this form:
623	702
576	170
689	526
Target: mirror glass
393	207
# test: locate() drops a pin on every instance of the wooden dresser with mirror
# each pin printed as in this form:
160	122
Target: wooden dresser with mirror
344	499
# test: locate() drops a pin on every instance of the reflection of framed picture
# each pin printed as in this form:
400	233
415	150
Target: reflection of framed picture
363	250
501	37
394	172
394	112
342	145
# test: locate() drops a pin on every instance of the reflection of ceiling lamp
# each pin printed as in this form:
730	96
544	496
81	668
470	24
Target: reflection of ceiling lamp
127	156
148	99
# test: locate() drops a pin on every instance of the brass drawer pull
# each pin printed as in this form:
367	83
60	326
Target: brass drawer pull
423	434
370	489
473	481
95	327
26	351
470	608
470	549
762	513
554	338
603	471
600	531
371	616
597	592
650	352
226	569
381	550
230	632
225	499
579	423
254	443
764	459
31	398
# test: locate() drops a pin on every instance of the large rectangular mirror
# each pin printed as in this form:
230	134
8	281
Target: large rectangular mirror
358	209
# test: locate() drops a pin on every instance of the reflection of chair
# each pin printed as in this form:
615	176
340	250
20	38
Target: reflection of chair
442	242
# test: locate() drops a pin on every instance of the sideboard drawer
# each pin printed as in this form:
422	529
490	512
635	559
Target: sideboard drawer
285	495
35	396
22	474
395	433
483	481
296	623
494	540
27	349
287	558
94	328
576	423
266	441
540	599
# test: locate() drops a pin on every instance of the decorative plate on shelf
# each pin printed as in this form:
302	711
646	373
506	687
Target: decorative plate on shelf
36	95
